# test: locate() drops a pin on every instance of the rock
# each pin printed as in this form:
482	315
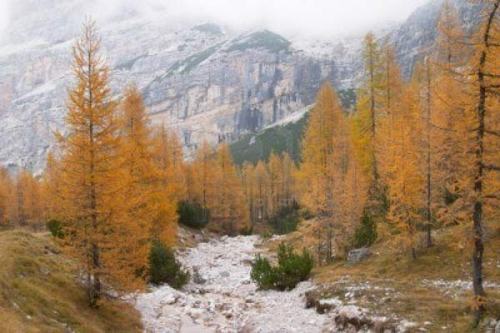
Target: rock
311	298
497	327
381	325
206	84
197	277
358	255
224	274
386	300
322	308
344	321
169	299
247	262
248	327
196	313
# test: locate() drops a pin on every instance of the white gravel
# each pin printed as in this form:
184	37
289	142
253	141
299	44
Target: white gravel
228	301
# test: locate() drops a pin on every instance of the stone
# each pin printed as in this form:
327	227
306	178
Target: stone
381	325
357	255
197	277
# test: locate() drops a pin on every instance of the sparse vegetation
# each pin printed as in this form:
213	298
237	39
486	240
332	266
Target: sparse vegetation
389	281
366	232
286	220
55	228
164	267
292	268
192	214
40	291
261	39
279	139
186	65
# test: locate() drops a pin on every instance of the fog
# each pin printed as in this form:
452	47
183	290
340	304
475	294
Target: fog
307	17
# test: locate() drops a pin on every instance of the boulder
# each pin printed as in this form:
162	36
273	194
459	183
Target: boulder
358	255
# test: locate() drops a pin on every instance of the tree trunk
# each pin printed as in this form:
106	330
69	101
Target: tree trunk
95	283
428	159
477	216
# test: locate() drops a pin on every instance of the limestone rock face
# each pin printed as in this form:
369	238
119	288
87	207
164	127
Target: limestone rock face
200	79
204	81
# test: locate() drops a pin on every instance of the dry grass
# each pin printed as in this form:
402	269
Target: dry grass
39	291
397	284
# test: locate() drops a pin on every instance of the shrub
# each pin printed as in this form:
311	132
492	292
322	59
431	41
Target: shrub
263	273
192	214
292	268
286	219
164	268
55	228
366	233
306	214
247	231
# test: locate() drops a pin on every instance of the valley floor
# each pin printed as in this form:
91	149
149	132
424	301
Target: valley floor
222	298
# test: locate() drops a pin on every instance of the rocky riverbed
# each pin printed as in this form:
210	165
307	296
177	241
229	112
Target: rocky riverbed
221	298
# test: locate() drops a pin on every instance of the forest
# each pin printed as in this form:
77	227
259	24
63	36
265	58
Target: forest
416	155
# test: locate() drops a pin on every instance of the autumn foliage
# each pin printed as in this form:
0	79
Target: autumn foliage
416	154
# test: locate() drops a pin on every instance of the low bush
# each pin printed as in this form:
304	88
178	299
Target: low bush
366	233
193	215
292	268
263	273
164	268
286	220
55	228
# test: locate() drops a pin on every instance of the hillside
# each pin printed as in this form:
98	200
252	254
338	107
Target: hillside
258	147
432	293
40	292
204	80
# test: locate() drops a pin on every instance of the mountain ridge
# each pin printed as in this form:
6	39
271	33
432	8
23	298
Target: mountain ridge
202	80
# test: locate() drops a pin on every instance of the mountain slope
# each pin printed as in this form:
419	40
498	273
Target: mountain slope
277	139
416	36
40	292
202	80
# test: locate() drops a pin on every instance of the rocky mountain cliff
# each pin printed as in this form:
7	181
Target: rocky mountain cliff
202	80
417	34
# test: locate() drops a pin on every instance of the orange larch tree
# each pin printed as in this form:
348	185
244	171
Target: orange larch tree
91	171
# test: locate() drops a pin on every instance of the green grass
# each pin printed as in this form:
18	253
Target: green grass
287	138
186	65
40	292
262	39
277	139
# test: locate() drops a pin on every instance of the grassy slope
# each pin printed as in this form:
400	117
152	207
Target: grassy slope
275	139
408	295
278	139
39	291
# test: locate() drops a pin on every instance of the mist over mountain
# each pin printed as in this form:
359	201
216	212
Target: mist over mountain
205	80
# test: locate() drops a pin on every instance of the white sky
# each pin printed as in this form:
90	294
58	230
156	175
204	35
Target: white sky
3	14
309	17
